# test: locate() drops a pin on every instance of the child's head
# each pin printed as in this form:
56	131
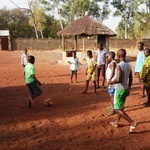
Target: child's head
31	59
147	52
111	56
100	46
121	54
89	53
74	54
140	45
25	51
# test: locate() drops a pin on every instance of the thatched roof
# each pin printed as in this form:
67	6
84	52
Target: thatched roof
86	26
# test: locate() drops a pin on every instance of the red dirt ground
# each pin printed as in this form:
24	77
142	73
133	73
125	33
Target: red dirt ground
75	121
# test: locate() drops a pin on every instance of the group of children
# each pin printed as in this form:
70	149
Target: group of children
118	75
119	80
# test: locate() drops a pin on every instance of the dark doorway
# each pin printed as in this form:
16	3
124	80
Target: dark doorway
4	43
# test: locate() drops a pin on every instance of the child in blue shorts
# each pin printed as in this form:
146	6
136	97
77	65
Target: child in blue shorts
110	75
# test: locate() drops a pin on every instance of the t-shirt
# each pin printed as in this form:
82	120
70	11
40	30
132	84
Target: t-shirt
91	65
24	59
143	73
74	63
126	69
139	62
29	70
101	56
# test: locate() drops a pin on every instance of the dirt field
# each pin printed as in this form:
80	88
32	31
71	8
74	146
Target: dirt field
75	121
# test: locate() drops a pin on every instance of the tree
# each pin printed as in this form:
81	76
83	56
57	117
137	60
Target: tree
77	8
35	9
16	21
37	17
135	22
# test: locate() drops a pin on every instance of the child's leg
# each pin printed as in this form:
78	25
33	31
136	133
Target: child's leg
86	87
142	87
103	75
98	76
76	76
148	96
94	86
36	89
71	76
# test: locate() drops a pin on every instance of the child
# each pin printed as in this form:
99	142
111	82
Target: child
110	75
24	57
90	71
101	54
123	81
138	66
145	75
74	66
31	81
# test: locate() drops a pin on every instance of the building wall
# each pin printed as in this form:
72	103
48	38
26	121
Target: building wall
55	44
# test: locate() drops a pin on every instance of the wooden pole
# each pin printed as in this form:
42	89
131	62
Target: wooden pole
63	43
83	44
107	43
75	42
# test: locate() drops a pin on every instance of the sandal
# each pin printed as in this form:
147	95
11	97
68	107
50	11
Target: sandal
132	127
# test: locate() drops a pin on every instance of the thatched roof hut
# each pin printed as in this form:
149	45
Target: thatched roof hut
86	26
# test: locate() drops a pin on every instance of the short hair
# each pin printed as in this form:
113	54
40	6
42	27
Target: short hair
112	54
89	52
122	52
74	52
31	59
147	50
141	43
100	44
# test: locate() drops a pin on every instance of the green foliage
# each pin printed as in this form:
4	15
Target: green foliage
16	21
132	18
77	8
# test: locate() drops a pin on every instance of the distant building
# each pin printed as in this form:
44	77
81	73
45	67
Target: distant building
5	43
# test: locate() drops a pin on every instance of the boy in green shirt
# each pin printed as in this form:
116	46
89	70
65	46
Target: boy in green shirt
31	81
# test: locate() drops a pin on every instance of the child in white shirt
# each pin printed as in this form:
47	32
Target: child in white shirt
74	66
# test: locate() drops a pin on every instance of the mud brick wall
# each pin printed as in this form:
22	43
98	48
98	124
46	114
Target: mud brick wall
55	44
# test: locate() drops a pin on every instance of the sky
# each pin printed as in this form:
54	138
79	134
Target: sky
112	22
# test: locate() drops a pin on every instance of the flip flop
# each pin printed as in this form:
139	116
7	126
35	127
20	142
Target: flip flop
132	127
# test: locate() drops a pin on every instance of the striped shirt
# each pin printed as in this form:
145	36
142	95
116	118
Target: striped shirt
144	74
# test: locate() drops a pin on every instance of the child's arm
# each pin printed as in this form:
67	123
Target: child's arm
93	69
147	73
113	67
34	77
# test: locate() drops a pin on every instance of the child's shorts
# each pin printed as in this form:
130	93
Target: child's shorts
89	76
73	71
120	98
34	88
111	91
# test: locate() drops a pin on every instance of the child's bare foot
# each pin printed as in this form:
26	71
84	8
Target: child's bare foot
84	92
95	92
114	124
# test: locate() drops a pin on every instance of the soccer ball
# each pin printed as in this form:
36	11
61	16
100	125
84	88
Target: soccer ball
48	102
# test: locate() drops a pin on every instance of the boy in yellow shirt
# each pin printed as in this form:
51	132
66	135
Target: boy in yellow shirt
90	71
145	75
